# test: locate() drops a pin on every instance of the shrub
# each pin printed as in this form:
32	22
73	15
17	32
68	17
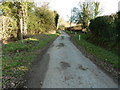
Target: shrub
8	28
118	25
104	27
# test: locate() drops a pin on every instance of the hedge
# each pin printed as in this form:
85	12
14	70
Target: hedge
105	27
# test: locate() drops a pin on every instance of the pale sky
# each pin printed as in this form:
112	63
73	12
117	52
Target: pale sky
63	7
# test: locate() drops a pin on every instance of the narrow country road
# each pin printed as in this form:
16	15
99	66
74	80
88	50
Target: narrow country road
69	68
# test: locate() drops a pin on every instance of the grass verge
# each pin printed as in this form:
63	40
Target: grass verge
98	52
18	57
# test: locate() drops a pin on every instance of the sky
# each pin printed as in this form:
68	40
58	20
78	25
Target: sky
63	7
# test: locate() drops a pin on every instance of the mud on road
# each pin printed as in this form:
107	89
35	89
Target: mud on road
64	66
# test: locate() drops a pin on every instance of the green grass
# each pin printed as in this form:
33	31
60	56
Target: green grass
18	57
96	51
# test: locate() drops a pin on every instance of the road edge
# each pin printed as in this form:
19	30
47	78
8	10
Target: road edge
40	55
96	62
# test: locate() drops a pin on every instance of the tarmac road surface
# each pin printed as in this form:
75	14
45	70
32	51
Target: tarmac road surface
69	68
64	66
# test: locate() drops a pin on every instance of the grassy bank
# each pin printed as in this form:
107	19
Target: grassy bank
18	57
98	52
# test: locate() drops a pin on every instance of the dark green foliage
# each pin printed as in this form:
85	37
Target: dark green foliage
56	19
105	32
104	27
118	25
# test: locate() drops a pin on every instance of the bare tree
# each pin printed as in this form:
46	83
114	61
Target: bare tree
85	12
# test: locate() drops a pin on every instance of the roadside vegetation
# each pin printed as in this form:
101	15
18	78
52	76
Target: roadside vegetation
18	58
20	19
96	51
105	33
100	35
25	28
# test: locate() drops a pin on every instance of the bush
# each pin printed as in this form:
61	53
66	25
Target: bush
104	27
35	19
118	25
43	20
8	28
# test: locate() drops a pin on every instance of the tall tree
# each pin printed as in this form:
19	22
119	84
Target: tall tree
56	18
96	9
30	19
75	15
85	12
21	7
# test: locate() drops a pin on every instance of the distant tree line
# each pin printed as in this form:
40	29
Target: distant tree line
25	16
